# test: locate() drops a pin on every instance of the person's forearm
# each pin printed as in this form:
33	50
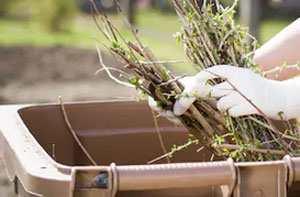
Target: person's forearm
284	47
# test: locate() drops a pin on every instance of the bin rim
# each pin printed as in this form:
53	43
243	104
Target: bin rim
65	173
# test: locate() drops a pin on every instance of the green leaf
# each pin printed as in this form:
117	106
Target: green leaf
134	80
185	95
208	94
195	93
298	65
283	66
227	152
191	135
165	74
159	103
115	45
184	3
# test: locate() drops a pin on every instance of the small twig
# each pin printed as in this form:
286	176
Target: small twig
163	62
96	21
109	73
234	133
258	150
271	129
279	68
113	69
74	133
172	80
53	151
225	37
177	149
161	141
200	149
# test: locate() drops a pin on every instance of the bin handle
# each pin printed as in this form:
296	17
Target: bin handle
152	177
176	175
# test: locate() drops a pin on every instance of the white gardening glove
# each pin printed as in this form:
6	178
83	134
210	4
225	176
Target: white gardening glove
164	113
276	99
194	88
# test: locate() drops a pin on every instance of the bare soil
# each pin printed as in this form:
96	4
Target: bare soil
34	74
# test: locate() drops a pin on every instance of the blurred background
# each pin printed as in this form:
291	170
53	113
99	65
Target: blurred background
47	48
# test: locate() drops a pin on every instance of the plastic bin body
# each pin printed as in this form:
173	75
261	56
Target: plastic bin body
43	159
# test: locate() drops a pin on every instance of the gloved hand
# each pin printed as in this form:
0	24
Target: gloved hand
190	85
164	113
276	99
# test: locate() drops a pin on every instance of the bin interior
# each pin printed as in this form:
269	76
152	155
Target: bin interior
120	132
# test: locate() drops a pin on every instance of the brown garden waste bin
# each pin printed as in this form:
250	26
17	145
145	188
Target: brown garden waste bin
43	159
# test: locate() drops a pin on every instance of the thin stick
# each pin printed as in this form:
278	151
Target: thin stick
53	152
109	73
279	68
161	141
164	62
172	80
113	69
179	148
271	129
258	150
74	133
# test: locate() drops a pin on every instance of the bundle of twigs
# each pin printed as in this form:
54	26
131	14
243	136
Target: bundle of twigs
210	38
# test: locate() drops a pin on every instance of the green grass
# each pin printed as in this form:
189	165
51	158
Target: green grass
155	30
271	27
15	32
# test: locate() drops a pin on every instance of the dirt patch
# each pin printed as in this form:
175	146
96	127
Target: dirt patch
34	74
33	64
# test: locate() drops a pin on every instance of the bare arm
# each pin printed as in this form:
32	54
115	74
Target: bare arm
284	47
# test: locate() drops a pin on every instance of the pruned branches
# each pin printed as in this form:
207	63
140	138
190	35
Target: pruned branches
210	37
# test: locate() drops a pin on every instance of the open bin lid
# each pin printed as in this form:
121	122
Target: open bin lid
27	133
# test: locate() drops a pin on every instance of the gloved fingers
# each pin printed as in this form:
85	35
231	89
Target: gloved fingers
221	89
193	88
170	116
228	101
167	114
185	99
189	95
153	105
183	104
186	81
242	110
175	120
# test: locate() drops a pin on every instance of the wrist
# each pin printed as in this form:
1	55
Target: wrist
292	97
285	98
277	100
